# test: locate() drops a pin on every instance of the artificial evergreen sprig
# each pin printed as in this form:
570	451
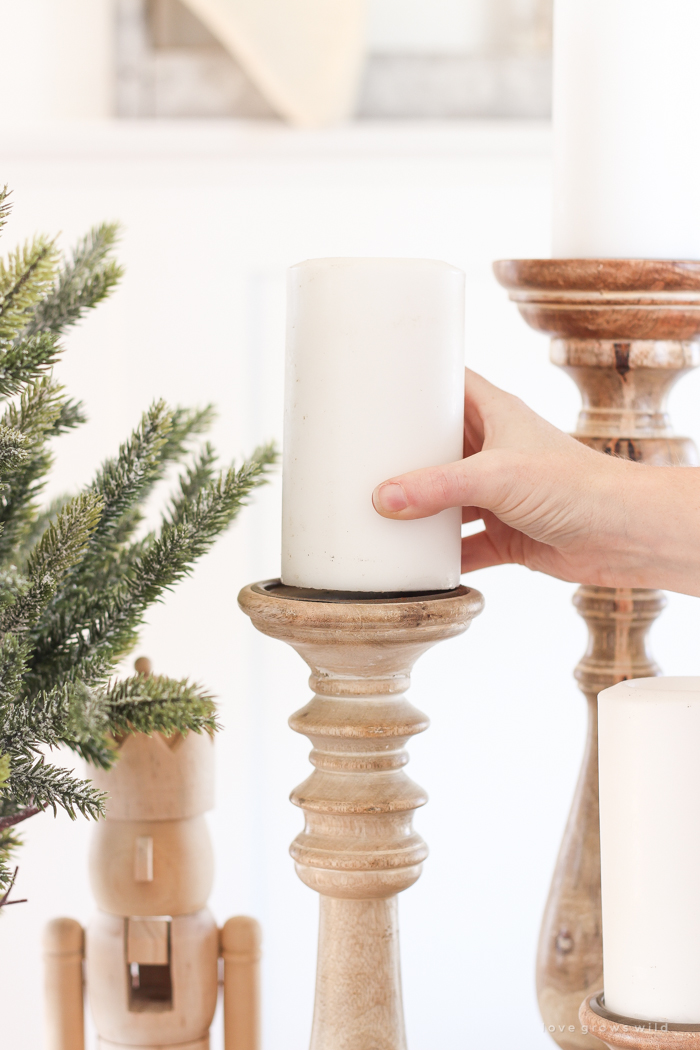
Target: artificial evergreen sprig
84	281
156	704
38	785
26	278
42	294
123	482
90	626
62	546
34	416
5	206
76	576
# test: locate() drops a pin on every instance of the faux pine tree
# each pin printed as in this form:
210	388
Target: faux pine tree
77	576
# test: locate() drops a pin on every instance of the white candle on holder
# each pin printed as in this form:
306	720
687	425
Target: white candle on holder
374	388
626	101
649	732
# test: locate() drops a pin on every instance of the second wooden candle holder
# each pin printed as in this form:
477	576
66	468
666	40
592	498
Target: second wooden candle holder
633	1034
358	849
625	330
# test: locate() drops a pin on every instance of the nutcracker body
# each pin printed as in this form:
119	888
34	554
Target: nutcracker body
152	948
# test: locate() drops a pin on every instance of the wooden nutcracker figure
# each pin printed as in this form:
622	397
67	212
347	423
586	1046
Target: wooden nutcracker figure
150	955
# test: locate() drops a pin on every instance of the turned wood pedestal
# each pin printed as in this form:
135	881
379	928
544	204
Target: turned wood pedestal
625	331
358	849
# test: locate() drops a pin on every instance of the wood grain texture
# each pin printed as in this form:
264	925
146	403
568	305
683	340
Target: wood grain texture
159	777
183	866
193	953
240	940
198	1044
152	949
358	988
626	1032
64	1026
613	299
158	789
625	331
358	848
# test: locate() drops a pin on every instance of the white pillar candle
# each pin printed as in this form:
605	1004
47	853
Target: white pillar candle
374	388
626	104
650	848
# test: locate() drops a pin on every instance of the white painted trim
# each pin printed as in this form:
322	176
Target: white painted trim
270	140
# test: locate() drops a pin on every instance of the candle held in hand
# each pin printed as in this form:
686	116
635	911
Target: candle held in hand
649	732
374	388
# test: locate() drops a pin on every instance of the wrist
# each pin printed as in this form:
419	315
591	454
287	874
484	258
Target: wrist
660	540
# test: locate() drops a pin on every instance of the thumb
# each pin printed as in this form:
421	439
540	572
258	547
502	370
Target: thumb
480	480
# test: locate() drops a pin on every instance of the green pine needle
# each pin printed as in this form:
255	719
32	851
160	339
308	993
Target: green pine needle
159	705
90	630
5	206
59	549
25	280
83	281
34	417
35	783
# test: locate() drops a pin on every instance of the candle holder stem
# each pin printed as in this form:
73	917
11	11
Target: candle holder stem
625	331
358	989
358	849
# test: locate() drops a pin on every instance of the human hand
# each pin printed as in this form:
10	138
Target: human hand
554	505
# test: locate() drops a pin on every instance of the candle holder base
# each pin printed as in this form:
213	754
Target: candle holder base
635	1034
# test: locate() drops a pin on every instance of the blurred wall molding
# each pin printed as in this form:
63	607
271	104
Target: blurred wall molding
169	65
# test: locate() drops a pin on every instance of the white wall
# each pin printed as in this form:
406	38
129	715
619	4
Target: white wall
213	214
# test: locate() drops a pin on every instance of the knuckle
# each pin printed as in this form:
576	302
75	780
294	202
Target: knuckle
441	485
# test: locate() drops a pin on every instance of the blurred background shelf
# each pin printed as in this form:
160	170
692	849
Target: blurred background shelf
444	60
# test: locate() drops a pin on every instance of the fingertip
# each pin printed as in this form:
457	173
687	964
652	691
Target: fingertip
389	498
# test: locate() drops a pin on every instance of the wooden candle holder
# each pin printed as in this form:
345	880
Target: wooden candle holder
358	849
625	331
626	1032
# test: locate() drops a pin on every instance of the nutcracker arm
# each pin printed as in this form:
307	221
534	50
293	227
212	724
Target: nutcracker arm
240	948
63	985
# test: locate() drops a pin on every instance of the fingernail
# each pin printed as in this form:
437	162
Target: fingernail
389	498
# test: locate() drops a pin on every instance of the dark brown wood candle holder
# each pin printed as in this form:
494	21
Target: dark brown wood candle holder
625	330
627	1032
